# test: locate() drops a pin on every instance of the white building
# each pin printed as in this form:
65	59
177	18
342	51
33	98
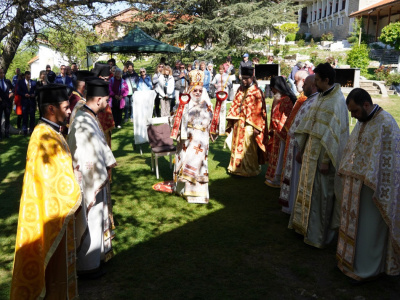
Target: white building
322	16
46	56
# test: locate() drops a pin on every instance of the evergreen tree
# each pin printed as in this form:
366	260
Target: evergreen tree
222	24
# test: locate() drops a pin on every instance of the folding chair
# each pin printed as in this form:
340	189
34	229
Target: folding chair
161	144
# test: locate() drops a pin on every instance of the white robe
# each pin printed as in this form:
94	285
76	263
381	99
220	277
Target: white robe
91	153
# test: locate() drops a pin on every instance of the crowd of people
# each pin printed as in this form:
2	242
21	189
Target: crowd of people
329	181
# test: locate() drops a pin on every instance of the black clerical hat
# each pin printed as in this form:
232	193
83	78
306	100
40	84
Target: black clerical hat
97	88
52	93
101	70
247	71
51	77
83	74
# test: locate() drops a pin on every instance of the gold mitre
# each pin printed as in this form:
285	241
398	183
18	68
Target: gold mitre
196	77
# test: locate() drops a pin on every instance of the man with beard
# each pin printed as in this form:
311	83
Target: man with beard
321	136
369	241
282	106
191	159
247	118
291	168
94	157
44	263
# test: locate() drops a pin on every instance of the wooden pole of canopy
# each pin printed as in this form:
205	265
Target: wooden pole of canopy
377	25
368	24
390	14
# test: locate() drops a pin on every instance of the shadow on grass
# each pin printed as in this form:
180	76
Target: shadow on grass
12	165
236	247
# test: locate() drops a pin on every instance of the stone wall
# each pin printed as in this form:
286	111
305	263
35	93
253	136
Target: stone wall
338	23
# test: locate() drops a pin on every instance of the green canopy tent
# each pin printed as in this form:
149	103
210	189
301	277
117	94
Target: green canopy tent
136	41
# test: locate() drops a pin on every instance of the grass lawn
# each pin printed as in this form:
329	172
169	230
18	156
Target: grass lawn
236	247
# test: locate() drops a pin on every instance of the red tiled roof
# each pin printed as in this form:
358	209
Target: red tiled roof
33	59
381	4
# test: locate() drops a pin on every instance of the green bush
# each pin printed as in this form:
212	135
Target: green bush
382	73
289	28
327	36
301	43
308	38
300	36
290	37
276	50
313	57
393	78
285	69
358	57
352	39
390	35
312	44
285	50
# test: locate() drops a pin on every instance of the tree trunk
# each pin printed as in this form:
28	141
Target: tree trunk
11	45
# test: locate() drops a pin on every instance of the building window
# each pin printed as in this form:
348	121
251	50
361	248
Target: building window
342	20
331	24
343	4
338	21
320	26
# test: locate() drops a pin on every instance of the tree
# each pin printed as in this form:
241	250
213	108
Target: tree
72	43
24	19
390	35
227	25
24	54
289	28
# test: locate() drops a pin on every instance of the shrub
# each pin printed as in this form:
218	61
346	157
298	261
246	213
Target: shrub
312	44
390	35
290	37
313	57
393	79
276	50
285	50
308	38
352	39
358	57
300	36
301	43
285	69
382	73
289	28
327	36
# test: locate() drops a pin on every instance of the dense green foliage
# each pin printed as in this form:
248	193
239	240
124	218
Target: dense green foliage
301	43
290	37
327	36
73	42
358	57
228	25
390	35
24	54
